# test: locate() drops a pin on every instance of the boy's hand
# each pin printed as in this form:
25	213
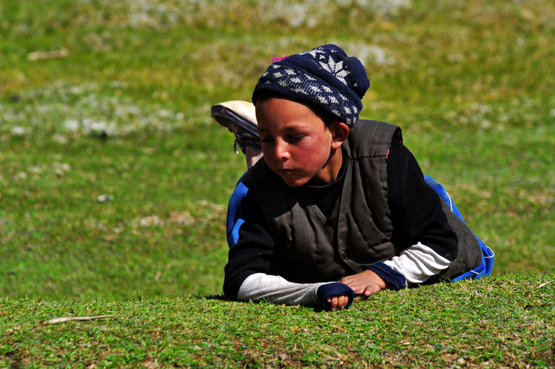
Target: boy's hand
335	296
338	301
365	283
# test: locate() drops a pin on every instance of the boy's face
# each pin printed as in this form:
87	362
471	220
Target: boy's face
296	143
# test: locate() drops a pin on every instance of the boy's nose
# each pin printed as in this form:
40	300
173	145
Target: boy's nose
281	150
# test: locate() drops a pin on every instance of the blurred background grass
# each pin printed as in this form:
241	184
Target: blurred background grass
113	98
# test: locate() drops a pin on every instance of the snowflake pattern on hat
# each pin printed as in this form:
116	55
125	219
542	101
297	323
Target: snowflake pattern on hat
337	69
322	76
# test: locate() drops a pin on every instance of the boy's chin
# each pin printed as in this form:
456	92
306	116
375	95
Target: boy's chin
295	182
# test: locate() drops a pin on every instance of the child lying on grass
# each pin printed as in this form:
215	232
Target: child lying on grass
338	207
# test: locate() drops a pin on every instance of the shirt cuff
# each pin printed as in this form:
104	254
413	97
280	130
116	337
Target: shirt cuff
388	274
331	289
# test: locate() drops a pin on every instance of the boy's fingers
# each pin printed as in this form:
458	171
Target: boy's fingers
370	290
333	304
359	289
345	301
376	288
341	302
366	290
338	302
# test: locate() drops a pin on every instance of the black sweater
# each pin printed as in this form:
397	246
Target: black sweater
416	215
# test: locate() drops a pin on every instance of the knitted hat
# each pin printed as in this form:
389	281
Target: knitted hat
324	76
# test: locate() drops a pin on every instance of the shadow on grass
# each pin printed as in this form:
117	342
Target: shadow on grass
213	297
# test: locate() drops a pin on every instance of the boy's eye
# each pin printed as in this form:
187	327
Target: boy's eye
294	138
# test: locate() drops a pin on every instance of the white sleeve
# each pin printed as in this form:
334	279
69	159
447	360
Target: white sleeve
276	289
418	263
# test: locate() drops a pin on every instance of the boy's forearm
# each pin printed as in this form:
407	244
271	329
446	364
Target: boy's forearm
418	263
276	289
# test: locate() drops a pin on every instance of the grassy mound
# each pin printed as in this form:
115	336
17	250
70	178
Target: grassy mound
503	321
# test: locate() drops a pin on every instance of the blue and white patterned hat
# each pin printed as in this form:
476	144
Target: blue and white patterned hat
324	76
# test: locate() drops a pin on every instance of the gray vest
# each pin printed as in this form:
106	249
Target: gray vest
312	248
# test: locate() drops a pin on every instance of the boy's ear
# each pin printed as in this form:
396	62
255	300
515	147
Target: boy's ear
339	133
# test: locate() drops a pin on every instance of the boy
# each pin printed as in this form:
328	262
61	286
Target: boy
335	209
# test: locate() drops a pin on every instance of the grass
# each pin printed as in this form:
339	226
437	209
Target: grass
498	322
114	180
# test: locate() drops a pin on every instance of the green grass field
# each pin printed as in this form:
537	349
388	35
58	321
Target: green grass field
499	322
114	180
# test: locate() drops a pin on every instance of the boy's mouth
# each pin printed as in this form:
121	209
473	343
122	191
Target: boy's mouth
285	171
